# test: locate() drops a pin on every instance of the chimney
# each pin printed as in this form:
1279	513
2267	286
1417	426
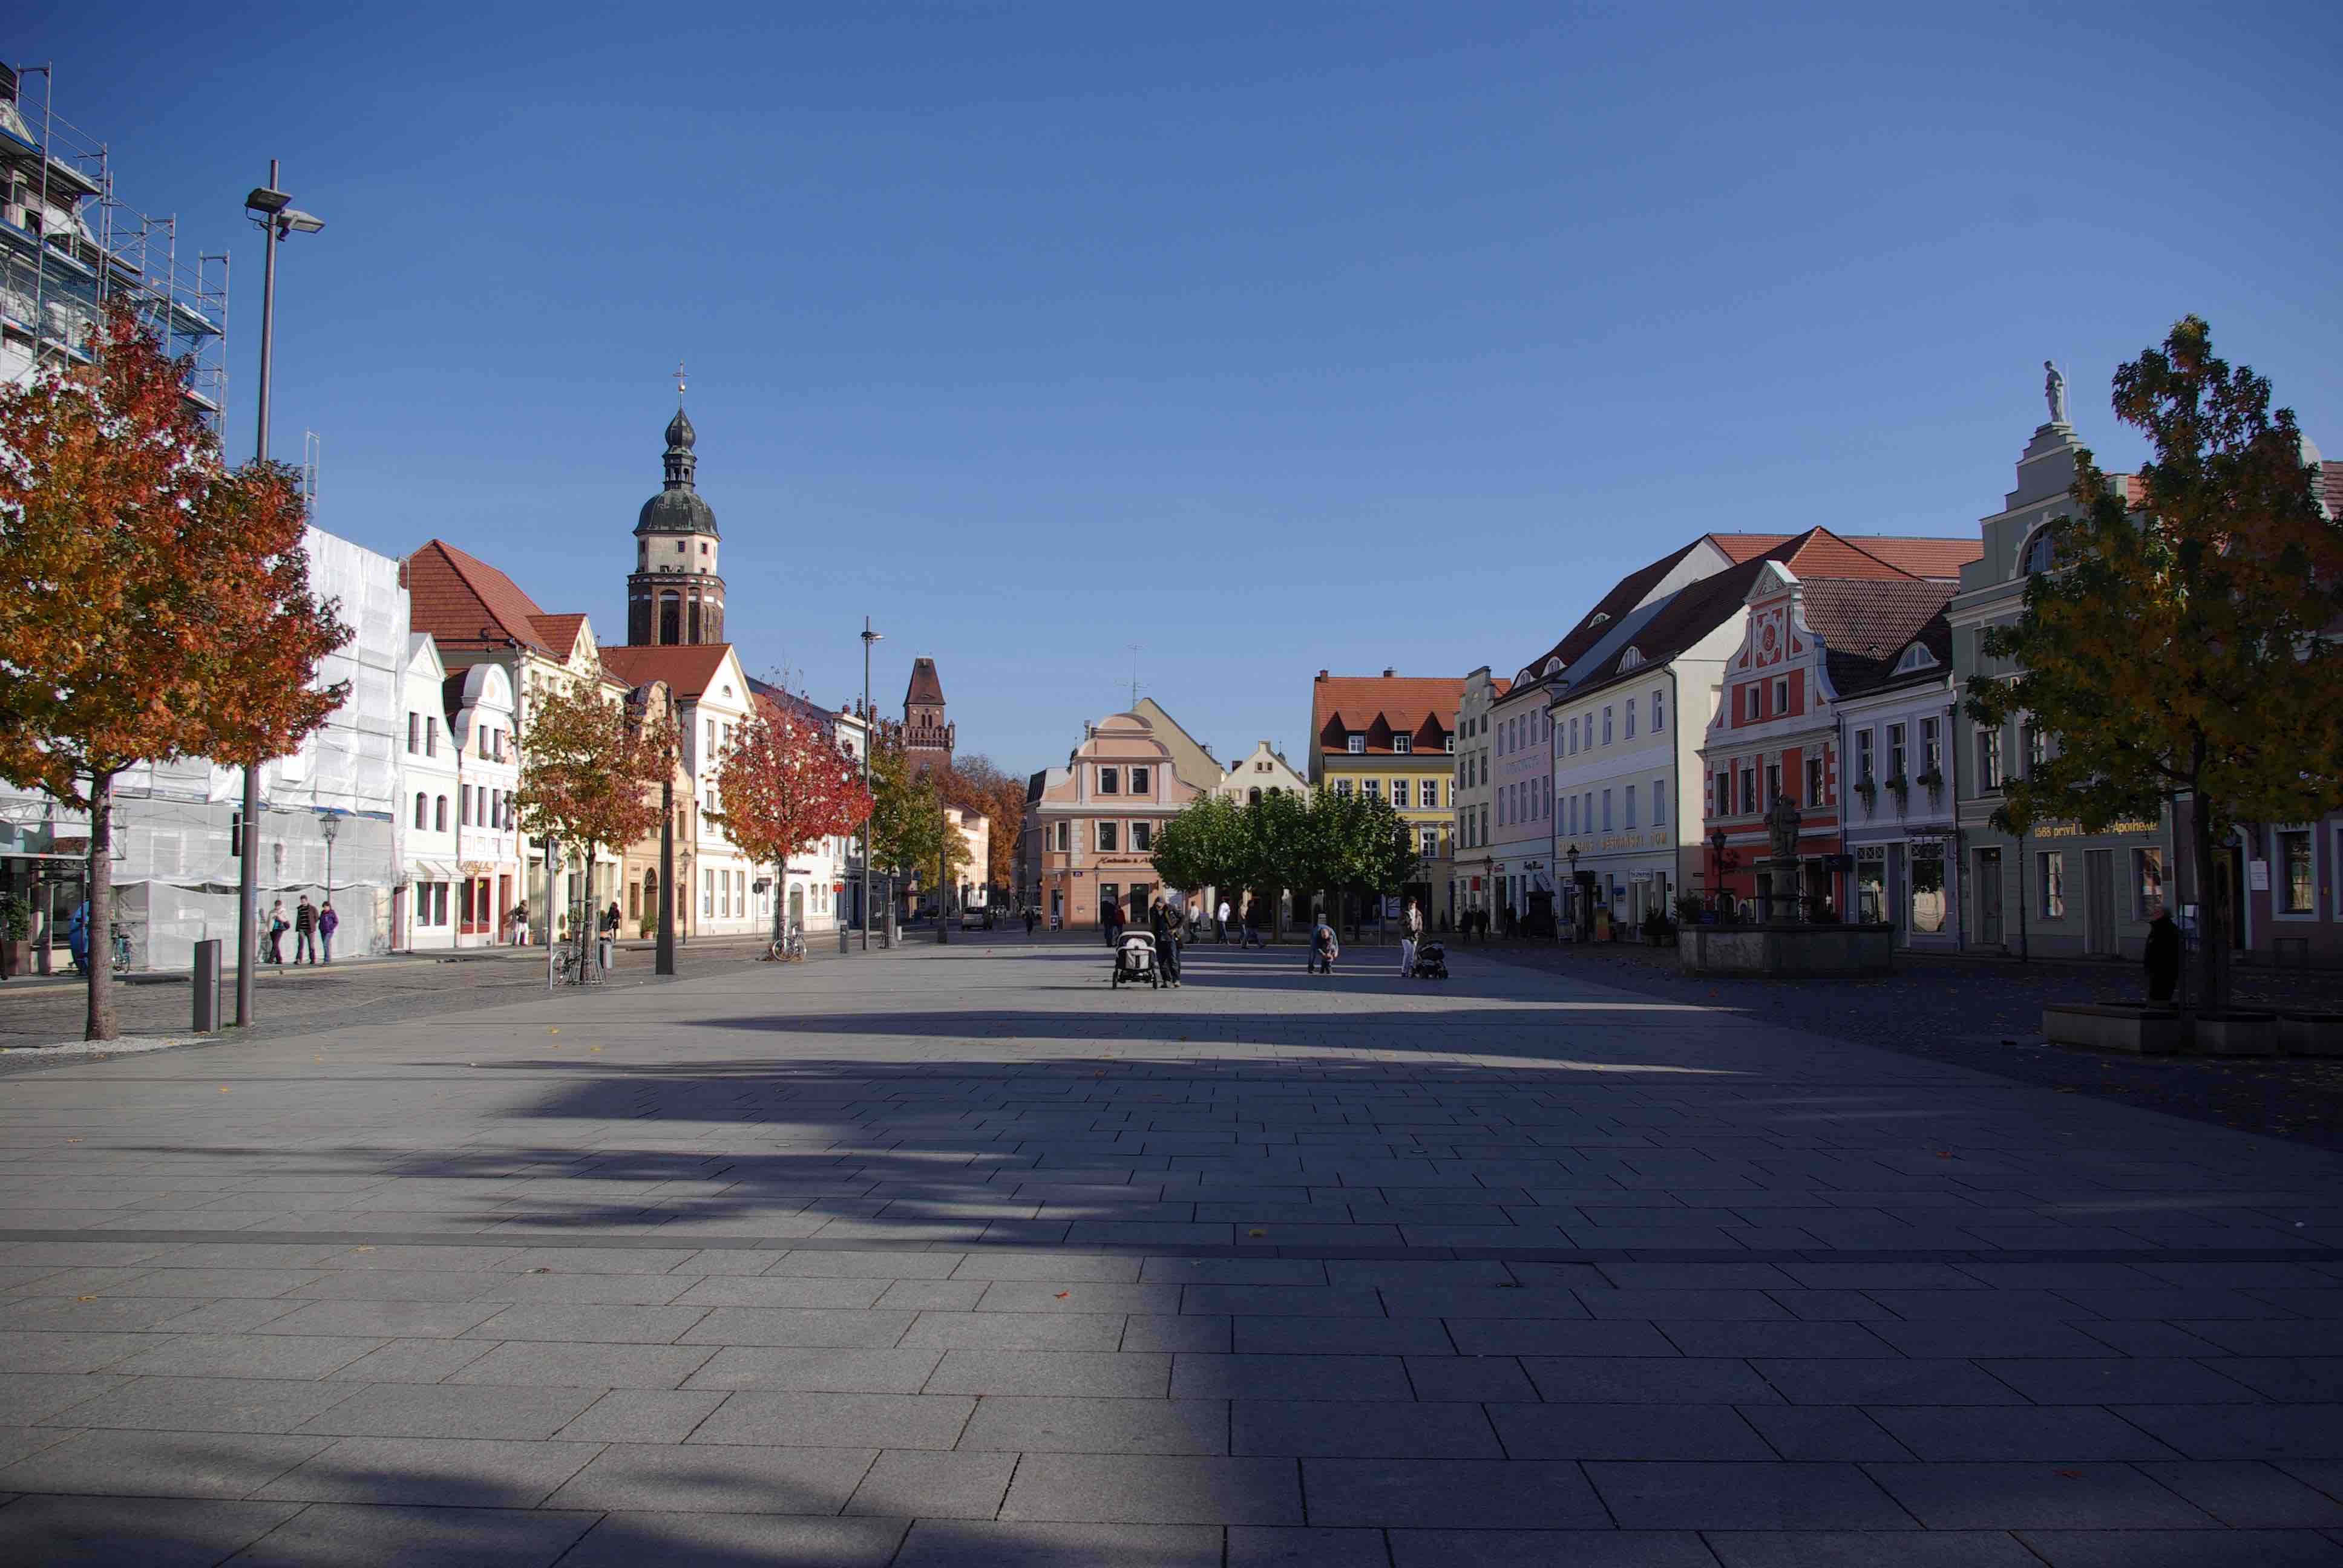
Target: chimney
1388	673
1322	675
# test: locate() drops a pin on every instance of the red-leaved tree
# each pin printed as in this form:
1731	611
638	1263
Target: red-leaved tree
154	604
785	786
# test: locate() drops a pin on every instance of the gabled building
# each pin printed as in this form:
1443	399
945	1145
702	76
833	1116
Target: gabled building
1392	736
1896	722
1473	868
1092	822
1776	729
1261	772
711	698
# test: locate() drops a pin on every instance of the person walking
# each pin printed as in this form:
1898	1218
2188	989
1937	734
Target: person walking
78	937
328	923
1252	917
1165	923
1032	916
1221	925
1411	931
304	934
609	934
276	930
1110	918
2163	954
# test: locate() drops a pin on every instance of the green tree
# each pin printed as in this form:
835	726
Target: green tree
1203	845
2181	646
1354	844
1273	852
907	831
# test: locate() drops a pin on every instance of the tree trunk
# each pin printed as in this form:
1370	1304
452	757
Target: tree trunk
2212	924
780	881
100	1024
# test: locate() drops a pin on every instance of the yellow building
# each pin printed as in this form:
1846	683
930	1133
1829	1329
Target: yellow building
1391	736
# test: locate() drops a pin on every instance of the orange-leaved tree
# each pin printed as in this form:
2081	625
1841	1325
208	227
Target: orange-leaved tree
154	604
979	784
590	775
786	785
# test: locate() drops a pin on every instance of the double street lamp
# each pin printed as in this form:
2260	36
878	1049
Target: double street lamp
275	213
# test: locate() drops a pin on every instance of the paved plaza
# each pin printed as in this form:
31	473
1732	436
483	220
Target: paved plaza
954	1256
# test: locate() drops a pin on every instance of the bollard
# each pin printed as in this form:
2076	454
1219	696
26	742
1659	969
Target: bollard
207	987
841	938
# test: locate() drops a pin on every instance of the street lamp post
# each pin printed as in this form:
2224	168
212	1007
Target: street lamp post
273	211
330	829
868	733
1577	894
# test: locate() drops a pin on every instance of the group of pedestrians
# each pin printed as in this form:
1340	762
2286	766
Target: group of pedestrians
313	926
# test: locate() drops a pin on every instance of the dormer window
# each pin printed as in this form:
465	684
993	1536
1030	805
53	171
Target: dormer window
1915	657
1358	743
1553	666
1402	744
1631	659
1597	619
1452	746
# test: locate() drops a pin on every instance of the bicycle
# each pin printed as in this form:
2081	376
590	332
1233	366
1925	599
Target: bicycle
786	950
121	951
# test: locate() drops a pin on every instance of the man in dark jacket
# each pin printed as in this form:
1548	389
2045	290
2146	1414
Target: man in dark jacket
1165	923
2163	954
305	932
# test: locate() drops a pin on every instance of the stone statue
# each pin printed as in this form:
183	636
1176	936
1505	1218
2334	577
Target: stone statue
1782	824
2054	392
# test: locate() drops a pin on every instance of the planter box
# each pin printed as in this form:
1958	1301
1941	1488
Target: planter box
15	959
2232	1033
2137	1030
2311	1033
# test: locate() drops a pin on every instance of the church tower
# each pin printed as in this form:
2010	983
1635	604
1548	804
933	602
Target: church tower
927	737
675	594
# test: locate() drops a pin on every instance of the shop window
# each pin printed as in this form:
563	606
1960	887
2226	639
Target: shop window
2297	883
2147	873
2053	885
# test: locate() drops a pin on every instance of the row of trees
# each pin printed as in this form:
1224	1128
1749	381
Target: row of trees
2183	643
155	603
1330	843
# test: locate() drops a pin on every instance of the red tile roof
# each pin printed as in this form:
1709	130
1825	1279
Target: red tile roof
685	667
454	596
2331	476
559	631
1923	556
1865	625
1740	548
1382	705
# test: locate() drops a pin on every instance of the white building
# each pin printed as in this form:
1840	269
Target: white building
1906	870
712	698
478	706
427	815
1261	772
1525	878
1475	869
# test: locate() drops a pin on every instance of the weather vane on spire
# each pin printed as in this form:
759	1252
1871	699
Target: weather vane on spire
678	382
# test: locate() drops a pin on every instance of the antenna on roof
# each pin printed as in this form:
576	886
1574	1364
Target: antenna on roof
1135	677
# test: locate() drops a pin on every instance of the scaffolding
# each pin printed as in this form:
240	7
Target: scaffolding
69	245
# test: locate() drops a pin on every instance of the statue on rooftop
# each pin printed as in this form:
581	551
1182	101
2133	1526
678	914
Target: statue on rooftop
2054	392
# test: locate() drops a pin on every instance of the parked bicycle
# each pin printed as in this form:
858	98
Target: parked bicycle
121	951
788	948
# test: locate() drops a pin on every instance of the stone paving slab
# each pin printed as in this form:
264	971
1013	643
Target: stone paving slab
952	1257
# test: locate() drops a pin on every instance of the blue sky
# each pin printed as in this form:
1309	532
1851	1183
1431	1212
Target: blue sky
1268	338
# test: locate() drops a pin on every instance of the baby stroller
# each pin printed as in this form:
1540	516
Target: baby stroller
1134	960
1431	961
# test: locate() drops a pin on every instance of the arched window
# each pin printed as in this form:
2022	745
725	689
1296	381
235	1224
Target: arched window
1253	797
439	815
670	626
422	809
2041	552
695	617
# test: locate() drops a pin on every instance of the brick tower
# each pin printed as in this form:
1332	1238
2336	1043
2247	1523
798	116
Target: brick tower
927	737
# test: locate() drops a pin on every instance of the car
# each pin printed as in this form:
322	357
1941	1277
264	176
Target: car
976	920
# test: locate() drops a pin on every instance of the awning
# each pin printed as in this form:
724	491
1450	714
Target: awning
431	872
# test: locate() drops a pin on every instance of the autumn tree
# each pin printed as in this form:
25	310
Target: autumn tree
2182	645
908	830
784	787
589	773
155	605
976	783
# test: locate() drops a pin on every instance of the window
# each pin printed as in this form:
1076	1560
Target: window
413	733
1781	696
1139	780
1342	786
2030	743
439	815
1659	802
464	804
707	883
1483	835
2054	886
1452	746
1572	735
1374	788
2041	553
1110	780
2296	891
2147	879
1358	744
1773	783
1863	758
1932	750
1630	733
1756	694
1402	744
1631	805
1399	794
1895	752
1606	727
1570	811
1813	781
1988	758
1142	836
1659	711
1065	837
1748	790
1606	811
431	737
1430	840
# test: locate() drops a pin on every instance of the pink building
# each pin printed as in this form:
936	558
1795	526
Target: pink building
1097	817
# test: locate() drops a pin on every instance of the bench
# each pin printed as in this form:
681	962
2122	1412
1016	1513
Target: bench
2138	1030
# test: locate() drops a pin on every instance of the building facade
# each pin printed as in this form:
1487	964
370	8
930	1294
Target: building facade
477	704
1094	821
1526	882
426	916
729	894
1473	869
1391	737
2059	893
1261	772
1903	839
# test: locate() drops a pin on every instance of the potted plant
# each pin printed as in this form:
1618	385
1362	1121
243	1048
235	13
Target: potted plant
16	935
1658	930
1867	789
1691	912
1901	788
1933	782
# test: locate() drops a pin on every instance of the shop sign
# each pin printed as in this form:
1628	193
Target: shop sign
2077	830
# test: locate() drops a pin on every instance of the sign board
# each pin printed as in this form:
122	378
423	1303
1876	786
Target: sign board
2257	876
